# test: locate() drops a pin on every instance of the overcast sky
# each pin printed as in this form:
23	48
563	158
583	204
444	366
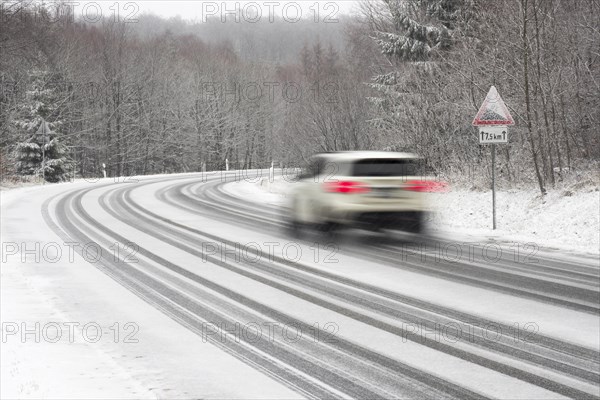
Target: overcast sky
197	10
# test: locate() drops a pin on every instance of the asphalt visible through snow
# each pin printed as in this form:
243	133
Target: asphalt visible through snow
356	315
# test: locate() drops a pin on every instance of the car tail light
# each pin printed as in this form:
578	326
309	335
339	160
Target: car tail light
346	187
426	186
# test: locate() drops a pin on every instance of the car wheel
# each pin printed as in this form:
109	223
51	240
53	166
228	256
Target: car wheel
414	223
295	226
328	229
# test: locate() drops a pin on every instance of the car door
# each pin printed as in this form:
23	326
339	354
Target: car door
308	193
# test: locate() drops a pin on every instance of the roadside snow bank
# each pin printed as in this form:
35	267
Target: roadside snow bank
561	219
264	191
556	220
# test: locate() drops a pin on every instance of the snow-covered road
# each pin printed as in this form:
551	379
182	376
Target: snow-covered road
200	293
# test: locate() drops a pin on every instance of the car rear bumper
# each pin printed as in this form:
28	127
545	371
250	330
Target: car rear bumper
388	220
378	213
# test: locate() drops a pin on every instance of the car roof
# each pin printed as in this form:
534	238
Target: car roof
358	155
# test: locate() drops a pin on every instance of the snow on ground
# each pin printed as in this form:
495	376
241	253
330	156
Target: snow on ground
553	321
562	219
7	185
168	360
262	191
50	313
564	222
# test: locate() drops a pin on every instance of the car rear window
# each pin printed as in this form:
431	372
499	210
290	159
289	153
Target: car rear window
388	167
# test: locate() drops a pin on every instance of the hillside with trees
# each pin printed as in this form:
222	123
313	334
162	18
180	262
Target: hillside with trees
166	96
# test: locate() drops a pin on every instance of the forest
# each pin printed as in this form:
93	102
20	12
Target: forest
155	95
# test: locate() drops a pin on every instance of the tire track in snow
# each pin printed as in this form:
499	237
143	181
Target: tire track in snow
434	387
581	372
362	297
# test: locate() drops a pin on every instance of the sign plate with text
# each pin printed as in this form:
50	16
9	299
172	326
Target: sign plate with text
493	134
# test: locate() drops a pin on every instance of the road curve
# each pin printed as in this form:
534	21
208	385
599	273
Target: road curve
360	317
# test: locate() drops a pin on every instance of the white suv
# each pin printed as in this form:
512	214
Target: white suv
379	190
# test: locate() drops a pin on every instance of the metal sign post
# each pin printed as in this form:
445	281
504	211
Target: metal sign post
493	120
494	186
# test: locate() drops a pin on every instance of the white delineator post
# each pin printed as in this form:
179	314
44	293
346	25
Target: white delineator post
104	170
272	172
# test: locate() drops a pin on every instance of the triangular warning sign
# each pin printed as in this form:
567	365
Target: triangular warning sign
493	111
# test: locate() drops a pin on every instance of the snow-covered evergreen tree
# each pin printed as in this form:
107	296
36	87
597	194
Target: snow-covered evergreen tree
413	34
39	107
420	26
416	29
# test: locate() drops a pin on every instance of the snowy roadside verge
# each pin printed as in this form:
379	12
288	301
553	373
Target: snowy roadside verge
561	220
556	221
261	191
71	332
7	186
